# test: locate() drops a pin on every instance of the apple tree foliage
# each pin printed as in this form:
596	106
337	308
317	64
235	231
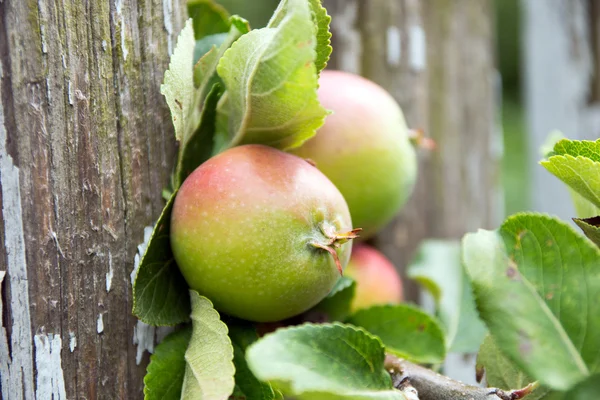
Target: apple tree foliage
527	295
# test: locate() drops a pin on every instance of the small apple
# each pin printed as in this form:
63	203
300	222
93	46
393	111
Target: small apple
262	233
364	148
377	281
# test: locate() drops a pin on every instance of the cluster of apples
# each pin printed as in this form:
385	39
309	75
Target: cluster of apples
266	234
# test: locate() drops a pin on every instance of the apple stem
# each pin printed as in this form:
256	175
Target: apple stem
335	241
333	253
418	139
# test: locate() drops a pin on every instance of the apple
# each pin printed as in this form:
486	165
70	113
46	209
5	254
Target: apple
377	281
262	233
364	148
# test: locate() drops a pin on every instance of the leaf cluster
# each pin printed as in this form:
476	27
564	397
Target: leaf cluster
531	288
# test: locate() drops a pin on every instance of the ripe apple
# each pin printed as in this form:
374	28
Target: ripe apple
262	233
364	148
377	282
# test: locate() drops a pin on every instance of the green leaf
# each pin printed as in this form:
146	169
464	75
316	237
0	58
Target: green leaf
206	67
438	267
577	163
578	148
537	287
405	330
337	303
242	335
586	390
205	44
271	81
323	362
183	99
164	376
209	17
209	367
322	21
502	373
591	228
583	207
160	293
200	145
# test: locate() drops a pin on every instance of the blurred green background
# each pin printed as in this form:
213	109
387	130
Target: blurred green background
257	12
515	178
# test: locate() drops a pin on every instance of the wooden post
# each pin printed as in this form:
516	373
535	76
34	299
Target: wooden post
83	128
436	58
562	86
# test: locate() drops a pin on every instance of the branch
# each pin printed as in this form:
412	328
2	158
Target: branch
433	386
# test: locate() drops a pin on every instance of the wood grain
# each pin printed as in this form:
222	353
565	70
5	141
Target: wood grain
86	129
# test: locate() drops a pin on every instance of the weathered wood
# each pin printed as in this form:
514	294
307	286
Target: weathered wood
562	76
83	128
436	58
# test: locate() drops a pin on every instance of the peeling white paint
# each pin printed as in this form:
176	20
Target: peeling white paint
72	341
141	250
16	368
394	46
143	334
50	383
53	234
143	337
69	92
109	274
100	323
162	332
48	93
119	9
168	14
43	36
417	48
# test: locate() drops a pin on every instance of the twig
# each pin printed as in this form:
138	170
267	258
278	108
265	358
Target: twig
433	386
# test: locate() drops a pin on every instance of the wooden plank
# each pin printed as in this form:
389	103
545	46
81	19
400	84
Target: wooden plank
436	58
85	128
561	81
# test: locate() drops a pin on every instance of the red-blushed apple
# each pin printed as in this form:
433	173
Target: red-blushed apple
377	281
261	233
364	148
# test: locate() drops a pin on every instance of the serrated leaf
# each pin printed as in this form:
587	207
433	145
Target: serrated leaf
164	376
537	287
183	99
206	67
578	148
242	335
204	45
502	373
405	331
577	163
322	21
322	362
160	293
591	228
438	267
208	17
199	146
271	81
337	303
209	367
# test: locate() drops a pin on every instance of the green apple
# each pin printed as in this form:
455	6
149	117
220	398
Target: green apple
377	281
261	233
364	148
